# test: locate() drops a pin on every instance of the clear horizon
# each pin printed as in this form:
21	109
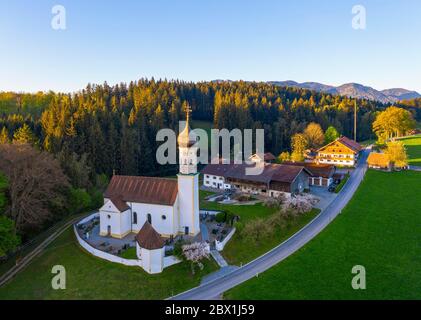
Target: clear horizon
303	41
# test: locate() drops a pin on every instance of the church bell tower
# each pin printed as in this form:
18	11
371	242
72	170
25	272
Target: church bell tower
188	180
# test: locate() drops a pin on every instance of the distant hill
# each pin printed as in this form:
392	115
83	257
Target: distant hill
355	90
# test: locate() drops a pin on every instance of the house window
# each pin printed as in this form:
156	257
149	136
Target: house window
164	217
134	217
149	217
109	216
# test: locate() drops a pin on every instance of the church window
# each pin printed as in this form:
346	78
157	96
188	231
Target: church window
164	217
149	218
134	217
109	216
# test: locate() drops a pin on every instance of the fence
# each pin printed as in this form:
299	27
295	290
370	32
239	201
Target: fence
21	250
104	255
208	212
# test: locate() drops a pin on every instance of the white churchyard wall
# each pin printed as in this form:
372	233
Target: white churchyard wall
152	261
220	245
105	255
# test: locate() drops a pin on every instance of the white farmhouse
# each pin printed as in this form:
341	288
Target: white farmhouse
169	206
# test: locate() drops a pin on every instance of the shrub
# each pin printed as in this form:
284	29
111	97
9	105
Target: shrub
220	217
97	199
79	200
8	238
257	229
196	252
300	204
178	249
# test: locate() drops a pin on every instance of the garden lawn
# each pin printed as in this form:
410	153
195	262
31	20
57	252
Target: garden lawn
379	229
413	147
240	251
246	212
89	277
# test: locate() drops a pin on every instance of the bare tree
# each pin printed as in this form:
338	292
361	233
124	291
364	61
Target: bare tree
35	182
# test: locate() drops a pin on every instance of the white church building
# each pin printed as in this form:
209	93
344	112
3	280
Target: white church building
149	206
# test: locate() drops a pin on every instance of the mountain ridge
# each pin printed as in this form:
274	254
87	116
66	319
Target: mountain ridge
354	90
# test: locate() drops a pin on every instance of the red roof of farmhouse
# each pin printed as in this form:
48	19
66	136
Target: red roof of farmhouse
378	159
148	238
268	156
350	143
316	170
142	190
354	146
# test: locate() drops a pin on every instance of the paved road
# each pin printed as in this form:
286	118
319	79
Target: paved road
214	289
414	168
30	256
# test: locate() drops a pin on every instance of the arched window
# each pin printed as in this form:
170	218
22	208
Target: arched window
149	218
134	217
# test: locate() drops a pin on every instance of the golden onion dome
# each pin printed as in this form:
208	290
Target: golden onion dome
186	138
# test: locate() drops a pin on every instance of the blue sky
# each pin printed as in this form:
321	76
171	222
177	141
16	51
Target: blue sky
195	40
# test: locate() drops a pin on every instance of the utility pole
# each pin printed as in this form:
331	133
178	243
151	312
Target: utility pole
355	121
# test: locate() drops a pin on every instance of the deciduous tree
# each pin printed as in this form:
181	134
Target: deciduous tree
393	122
299	144
314	135
331	134
35	182
397	154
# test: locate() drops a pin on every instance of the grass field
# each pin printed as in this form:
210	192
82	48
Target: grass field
240	251
379	229
246	212
89	277
8	264
413	147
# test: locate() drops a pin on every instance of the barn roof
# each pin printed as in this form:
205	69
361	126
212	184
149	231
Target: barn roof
271	172
148	238
378	159
268	156
316	170
142	190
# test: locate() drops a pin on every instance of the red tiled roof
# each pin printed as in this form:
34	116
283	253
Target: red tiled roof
355	146
271	172
268	156
119	203
217	169
148	238
143	190
378	159
316	170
